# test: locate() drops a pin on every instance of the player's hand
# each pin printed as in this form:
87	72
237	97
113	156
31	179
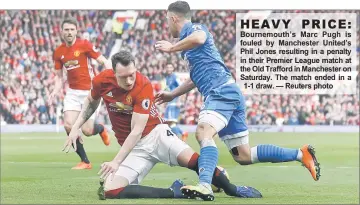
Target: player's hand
71	141
164	46
108	168
163	97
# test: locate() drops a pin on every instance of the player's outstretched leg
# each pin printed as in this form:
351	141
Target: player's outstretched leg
207	163
221	181
138	191
245	155
91	128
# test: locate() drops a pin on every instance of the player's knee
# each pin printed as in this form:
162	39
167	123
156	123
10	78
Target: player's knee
241	156
87	131
203	131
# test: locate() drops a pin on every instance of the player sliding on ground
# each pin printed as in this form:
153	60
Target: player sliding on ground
224	107
73	56
144	140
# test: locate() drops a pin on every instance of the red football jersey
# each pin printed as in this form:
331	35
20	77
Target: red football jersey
76	60
121	104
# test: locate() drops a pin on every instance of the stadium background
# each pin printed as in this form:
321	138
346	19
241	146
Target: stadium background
33	168
28	39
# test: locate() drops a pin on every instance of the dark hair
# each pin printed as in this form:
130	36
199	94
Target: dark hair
70	20
123	57
180	7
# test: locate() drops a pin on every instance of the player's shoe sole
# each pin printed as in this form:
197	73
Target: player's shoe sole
193	192
101	192
310	162
105	136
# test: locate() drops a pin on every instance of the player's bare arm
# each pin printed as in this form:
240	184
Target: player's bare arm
103	61
58	84
163	97
195	39
89	107
138	123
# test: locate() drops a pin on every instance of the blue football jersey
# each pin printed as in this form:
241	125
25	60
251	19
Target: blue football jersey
207	69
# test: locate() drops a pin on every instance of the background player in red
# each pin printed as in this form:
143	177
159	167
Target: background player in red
74	56
144	140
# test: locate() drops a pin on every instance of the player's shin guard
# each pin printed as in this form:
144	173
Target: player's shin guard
272	153
207	161
138	191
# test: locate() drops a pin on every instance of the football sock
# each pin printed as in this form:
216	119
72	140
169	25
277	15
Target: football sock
272	153
98	128
207	161
219	179
81	151
138	191
177	130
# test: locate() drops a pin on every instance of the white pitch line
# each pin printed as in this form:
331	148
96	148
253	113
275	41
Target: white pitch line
281	166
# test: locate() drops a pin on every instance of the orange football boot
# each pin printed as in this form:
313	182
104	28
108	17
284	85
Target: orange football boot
184	136
310	162
105	136
82	165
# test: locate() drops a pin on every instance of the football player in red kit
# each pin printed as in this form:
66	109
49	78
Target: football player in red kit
74	56
143	137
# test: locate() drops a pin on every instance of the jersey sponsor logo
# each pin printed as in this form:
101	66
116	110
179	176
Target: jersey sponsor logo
145	104
129	99
109	94
71	64
120	107
77	53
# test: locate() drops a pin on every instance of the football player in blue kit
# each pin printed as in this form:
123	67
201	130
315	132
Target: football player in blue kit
223	112
172	111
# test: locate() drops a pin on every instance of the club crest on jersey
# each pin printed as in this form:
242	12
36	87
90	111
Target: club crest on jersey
145	104
196	27
129	99
77	53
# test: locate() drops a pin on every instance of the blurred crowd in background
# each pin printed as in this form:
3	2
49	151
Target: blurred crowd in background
28	39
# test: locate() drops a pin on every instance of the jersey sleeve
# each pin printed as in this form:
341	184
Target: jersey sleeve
144	100
57	62
91	50
96	87
198	27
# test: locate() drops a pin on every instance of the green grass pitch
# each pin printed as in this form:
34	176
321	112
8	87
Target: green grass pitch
34	170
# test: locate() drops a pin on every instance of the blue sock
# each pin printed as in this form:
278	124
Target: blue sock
177	130
274	154
207	162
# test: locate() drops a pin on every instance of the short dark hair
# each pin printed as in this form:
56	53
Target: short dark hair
69	20
181	7
123	57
